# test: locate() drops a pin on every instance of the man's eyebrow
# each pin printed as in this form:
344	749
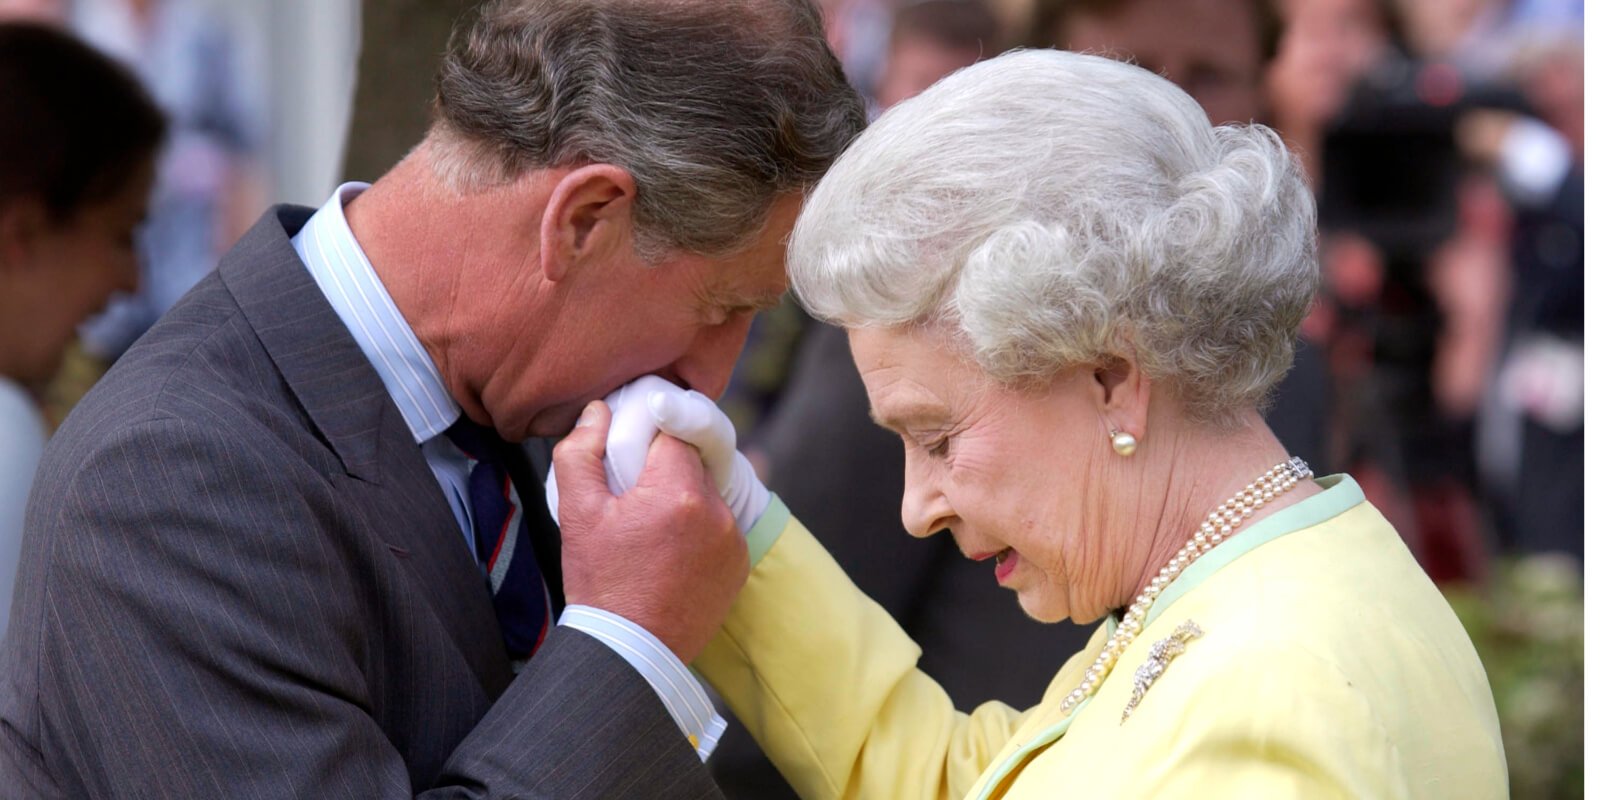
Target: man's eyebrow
765	301
754	301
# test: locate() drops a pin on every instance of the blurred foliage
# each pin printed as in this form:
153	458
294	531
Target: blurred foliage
1528	627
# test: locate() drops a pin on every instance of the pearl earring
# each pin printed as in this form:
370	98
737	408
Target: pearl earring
1123	443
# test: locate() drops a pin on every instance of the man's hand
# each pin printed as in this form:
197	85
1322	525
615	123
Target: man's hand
694	418
665	555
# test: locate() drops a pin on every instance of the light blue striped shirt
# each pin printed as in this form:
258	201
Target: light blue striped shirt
342	271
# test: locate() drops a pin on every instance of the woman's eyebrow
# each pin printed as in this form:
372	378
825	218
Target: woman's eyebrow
901	418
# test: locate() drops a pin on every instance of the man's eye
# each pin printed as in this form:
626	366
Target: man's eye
939	448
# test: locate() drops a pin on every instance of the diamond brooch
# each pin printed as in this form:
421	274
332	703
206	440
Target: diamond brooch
1161	654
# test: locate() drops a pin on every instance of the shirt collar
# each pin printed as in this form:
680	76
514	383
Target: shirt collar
341	269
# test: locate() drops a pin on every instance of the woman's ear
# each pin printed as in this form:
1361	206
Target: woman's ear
22	222
589	216
1123	391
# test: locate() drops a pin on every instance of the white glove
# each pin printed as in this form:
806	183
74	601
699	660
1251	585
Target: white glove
651	404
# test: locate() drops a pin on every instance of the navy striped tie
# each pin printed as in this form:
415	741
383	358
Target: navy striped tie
502	543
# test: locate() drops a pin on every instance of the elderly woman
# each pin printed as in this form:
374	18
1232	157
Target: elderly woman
1070	296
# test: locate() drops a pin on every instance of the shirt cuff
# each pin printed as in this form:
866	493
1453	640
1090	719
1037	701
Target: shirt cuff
765	532
686	702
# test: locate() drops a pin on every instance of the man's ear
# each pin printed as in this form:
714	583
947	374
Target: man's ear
1122	391
22	223
589	215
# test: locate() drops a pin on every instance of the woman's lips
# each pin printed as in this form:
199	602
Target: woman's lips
1006	564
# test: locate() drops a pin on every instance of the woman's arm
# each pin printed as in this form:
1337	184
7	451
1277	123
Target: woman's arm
827	683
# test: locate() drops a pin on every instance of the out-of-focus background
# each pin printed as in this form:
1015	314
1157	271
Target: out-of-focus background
1442	366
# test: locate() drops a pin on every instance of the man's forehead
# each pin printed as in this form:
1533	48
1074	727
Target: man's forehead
756	271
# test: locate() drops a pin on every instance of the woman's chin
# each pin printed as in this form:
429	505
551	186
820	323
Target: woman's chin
1042	608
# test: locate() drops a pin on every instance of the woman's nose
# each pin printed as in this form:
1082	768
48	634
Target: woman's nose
924	510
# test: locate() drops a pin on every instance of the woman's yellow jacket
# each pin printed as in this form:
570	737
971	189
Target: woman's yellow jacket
1329	666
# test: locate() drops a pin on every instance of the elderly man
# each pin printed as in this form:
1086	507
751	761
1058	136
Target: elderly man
286	548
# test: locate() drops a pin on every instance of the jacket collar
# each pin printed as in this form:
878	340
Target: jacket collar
349	406
305	339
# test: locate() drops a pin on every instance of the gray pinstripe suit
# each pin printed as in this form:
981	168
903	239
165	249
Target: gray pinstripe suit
239	579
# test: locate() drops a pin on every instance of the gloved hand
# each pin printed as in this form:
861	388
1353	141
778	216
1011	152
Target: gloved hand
651	404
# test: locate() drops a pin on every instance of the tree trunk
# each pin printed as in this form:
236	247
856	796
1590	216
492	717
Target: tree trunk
401	44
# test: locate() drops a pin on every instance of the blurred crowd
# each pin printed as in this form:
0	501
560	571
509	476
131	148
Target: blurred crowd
1442	366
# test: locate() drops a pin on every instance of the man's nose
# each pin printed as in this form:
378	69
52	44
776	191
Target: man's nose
708	365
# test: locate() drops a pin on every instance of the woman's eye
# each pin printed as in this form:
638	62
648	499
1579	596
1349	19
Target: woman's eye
939	448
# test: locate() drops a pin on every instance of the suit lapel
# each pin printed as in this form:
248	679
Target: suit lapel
427	537
349	406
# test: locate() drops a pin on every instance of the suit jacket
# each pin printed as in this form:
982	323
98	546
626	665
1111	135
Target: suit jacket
240	579
1329	666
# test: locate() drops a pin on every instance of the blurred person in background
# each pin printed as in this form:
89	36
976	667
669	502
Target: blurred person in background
1511	278
859	32
928	40
80	138
209	185
1327	46
1530	433
1452	203
1216	51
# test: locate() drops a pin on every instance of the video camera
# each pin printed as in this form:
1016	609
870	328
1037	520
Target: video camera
1391	167
1391	160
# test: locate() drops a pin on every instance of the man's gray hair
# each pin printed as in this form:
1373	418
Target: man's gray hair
715	107
1060	210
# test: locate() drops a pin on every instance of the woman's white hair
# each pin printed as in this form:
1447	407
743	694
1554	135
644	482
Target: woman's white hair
1059	210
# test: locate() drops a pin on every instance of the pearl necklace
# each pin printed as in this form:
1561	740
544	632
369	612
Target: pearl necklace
1219	525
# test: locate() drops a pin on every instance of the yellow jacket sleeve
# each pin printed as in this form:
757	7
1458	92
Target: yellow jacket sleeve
828	684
